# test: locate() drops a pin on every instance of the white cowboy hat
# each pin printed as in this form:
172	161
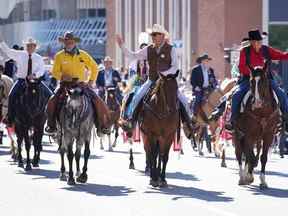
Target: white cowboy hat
107	59
30	40
157	29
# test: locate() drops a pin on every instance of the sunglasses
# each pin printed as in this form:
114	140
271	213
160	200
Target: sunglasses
155	34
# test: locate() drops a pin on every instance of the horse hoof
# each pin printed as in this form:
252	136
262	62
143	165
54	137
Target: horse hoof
163	184
71	181
217	155
263	186
110	149
20	164
242	182
223	164
131	166
201	153
28	167
63	177
101	148
78	173
154	183
82	178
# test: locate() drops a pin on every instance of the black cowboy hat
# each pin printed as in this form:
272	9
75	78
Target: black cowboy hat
255	35
69	35
203	57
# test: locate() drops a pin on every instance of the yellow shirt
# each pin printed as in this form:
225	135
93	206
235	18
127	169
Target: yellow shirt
75	66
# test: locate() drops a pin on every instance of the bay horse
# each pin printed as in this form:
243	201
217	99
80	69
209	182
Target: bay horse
75	122
6	84
160	120
110	98
211	99
256	126
30	116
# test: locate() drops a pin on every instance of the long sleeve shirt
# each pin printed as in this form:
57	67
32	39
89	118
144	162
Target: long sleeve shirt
142	55
257	59
21	58
74	66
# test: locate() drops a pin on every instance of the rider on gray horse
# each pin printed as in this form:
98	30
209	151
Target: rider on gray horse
161	58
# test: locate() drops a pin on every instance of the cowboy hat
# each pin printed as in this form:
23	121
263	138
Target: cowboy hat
256	35
107	59
157	29
30	40
203	57
68	35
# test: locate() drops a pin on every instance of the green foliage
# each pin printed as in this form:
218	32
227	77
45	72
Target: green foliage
278	36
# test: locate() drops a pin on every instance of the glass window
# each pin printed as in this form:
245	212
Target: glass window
102	12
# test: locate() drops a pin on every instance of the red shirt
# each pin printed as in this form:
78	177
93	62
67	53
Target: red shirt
257	59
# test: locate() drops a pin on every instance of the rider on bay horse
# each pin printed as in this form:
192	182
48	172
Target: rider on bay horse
256	54
202	80
161	58
72	63
109	77
30	66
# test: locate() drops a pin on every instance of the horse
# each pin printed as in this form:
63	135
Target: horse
6	84
30	118
75	122
110	99
209	103
256	127
160	120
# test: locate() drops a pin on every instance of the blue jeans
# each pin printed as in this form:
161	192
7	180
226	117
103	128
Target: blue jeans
197	101
243	88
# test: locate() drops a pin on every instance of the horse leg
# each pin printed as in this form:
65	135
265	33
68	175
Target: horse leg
27	147
116	136
251	160
266	144
258	147
63	176
70	156
147	167
238	153
163	182
154	169
37	142
110	149
1	137
13	150
101	142
200	142
131	158
19	151
77	159
84	177
223	158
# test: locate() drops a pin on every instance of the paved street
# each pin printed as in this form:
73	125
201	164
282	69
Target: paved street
197	186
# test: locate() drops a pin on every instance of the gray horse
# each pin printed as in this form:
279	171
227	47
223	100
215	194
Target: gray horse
75	125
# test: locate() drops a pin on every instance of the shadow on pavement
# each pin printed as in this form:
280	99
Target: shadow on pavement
101	190
123	152
273	192
180	192
41	173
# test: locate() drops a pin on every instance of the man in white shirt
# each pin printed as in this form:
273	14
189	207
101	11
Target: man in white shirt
30	65
161	58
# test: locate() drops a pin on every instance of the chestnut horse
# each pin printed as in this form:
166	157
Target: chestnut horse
256	127
160	121
211	101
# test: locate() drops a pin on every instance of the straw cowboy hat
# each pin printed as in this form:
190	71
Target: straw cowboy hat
157	29
69	35
31	40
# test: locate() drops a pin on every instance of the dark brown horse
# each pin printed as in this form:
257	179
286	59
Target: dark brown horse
110	99
256	127
160	121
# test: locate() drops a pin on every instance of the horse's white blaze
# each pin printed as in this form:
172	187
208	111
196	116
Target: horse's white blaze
257	95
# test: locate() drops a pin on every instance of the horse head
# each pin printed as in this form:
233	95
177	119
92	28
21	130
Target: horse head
260	87
110	98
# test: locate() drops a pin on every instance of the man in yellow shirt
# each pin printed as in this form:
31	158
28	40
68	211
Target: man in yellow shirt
72	64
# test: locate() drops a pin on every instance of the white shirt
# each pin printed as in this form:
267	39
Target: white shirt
205	76
143	53
21	58
108	77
